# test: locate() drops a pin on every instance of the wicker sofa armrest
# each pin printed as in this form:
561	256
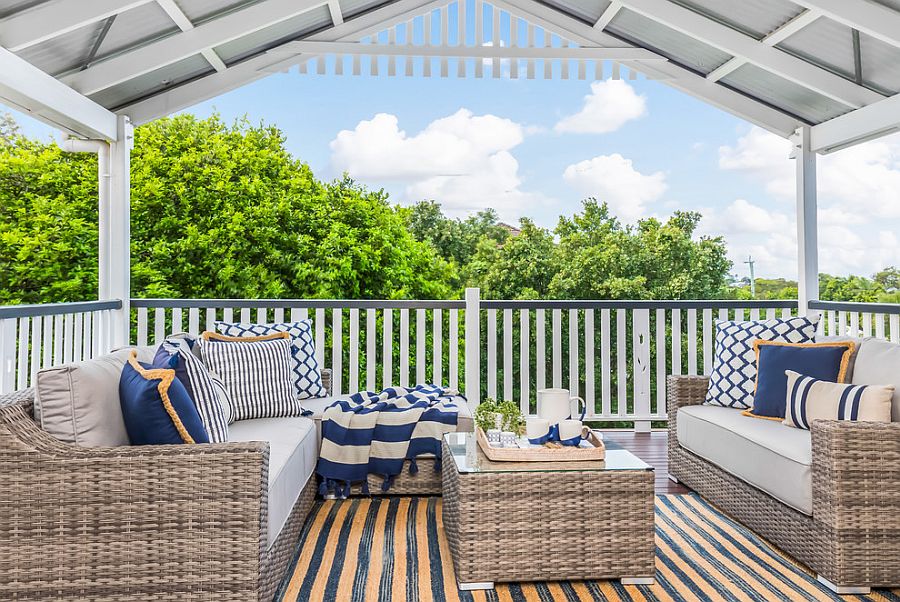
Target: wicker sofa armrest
856	469
684	391
128	522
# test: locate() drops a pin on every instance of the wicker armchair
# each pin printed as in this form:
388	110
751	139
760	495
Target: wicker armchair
852	539
169	522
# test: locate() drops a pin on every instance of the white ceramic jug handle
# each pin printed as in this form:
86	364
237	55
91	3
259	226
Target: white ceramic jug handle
583	407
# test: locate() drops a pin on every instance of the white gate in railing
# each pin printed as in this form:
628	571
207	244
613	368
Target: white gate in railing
615	354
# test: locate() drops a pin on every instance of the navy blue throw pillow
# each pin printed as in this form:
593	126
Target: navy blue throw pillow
156	406
822	361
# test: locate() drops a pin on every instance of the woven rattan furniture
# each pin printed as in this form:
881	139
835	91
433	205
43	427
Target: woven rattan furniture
852	539
549	521
171	522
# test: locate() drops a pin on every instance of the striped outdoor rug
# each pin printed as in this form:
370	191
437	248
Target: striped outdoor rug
394	549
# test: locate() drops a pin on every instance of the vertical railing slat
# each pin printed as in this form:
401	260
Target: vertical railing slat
354	350
879	326
36	329
387	348
867	324
605	363
159	325
707	340
77	354
87	336
177	321
640	358
47	346
660	362
68	338
589	368
420	346
210	318
337	351
437	328
692	340
194	320
404	347
540	350
621	359
676	342
24	332
8	355
895	328
453	351
371	358
574	364
319	328
58	334
142	326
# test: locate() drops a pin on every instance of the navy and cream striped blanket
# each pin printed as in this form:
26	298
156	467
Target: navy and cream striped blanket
375	433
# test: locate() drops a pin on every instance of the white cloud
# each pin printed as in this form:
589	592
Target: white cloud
610	105
614	180
462	161
859	205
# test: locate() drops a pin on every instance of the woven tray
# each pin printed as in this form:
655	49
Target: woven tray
591	449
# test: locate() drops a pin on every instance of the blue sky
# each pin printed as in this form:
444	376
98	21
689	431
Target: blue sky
535	148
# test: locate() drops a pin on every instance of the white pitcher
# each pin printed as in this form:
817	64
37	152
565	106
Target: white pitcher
557	405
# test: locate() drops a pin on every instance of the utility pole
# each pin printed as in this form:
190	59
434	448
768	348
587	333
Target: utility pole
751	263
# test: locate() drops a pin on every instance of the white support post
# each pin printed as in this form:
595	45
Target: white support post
118	235
473	346
807	225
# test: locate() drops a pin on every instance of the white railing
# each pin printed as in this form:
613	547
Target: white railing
39	336
880	320
615	354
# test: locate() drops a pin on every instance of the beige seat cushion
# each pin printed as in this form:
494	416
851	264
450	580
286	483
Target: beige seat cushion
764	453
293	453
878	363
464	421
79	402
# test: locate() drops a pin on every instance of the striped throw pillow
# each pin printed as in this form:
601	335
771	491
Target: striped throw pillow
810	399
179	353
257	373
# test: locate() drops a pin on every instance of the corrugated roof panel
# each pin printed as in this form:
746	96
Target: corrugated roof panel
153	82
63	53
11	7
276	34
895	4
824	42
880	64
666	41
784	94
137	27
355	7
754	17
198	11
587	10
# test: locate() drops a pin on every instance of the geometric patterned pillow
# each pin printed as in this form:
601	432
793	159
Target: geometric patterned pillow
307	375
733	377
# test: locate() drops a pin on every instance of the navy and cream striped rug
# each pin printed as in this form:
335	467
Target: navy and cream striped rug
394	549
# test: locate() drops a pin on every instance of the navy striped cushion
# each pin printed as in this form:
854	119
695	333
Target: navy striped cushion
257	373
810	399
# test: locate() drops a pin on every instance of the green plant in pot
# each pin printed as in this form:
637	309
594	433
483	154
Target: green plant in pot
511	418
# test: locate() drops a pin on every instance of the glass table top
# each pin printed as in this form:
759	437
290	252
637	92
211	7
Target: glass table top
469	458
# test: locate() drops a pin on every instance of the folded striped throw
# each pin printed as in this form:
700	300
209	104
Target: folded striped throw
375	433
810	399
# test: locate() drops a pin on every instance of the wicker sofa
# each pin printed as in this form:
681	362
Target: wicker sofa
845	527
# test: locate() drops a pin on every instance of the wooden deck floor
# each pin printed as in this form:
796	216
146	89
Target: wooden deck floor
651	448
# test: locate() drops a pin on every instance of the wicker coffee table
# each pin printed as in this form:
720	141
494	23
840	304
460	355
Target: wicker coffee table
548	521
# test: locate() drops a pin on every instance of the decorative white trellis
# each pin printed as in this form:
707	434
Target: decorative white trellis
469	38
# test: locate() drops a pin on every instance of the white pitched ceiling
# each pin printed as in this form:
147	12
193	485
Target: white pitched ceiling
777	63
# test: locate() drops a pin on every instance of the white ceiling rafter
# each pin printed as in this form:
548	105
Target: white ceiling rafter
678	77
863	124
57	17
753	51
869	17
184	24
608	15
105	74
25	86
180	97
791	27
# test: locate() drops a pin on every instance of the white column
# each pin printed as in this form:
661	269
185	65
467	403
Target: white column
117	234
807	222
473	347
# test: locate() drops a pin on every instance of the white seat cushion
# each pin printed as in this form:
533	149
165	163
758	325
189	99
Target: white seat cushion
293	452
464	423
764	453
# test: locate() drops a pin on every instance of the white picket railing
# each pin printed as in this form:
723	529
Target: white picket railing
614	354
880	320
39	336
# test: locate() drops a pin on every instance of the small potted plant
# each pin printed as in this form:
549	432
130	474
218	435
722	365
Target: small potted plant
499	415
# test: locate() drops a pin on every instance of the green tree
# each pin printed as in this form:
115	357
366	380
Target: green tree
9	129
520	268
600	258
889	279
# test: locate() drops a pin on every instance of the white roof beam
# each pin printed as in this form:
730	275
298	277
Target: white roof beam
502	52
56	18
866	16
27	87
858	126
334	7
748	48
779	35
181	97
184	24
188	43
678	77
608	15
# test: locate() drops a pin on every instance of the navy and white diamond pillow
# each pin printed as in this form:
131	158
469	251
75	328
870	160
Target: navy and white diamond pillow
307	375
733	377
